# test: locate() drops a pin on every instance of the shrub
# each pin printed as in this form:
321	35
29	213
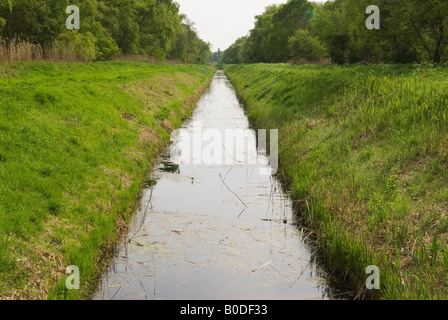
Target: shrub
304	46
74	46
105	46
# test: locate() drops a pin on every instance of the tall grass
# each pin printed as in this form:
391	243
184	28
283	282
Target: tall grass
22	51
64	53
364	149
18	50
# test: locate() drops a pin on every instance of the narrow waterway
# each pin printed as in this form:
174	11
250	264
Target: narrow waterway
210	230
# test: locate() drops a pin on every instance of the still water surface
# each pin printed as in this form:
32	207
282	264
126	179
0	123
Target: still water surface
215	232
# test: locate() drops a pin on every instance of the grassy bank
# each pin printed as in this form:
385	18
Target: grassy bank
364	150
76	141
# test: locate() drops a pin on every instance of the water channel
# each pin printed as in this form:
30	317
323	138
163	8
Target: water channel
215	231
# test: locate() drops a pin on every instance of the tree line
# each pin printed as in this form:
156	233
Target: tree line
411	31
108	28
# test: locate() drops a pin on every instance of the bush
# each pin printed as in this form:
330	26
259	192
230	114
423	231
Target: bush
105	46
92	45
106	49
74	46
304	46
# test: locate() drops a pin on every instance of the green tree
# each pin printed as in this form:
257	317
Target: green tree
157	20
37	21
204	55
118	17
179	46
234	54
304	46
429	21
187	46
331	27
91	12
289	18
257	47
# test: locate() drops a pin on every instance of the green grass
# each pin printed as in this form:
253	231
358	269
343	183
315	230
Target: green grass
76	142
364	150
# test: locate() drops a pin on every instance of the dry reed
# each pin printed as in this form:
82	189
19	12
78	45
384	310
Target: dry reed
18	50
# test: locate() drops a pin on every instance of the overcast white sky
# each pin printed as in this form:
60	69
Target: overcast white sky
221	22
